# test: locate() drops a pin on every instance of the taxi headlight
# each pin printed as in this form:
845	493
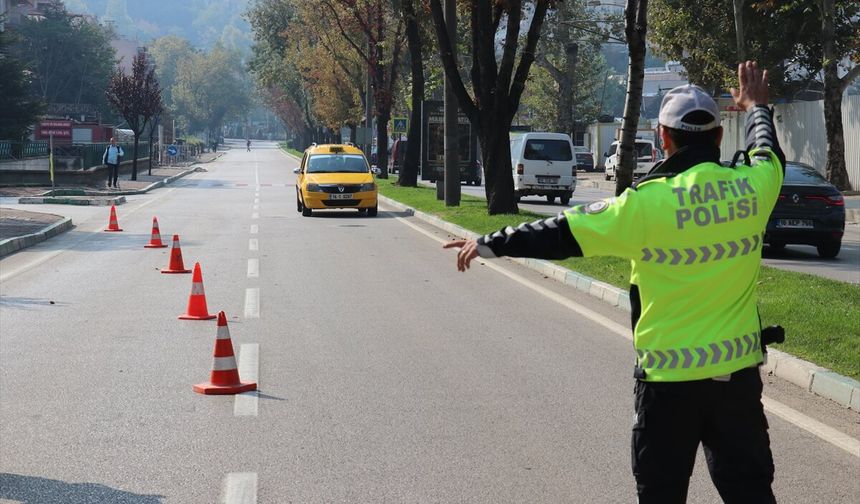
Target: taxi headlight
313	188
367	187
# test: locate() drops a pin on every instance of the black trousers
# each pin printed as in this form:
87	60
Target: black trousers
726	417
113	173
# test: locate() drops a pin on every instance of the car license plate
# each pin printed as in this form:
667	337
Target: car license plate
795	223
547	180
339	196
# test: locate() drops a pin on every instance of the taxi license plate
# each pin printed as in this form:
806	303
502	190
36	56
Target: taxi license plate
339	196
547	180
795	223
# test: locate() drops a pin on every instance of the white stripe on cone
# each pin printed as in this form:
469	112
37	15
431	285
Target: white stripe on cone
223	332
197	289
224	363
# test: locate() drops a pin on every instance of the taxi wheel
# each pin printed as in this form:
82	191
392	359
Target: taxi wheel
371	212
299	207
306	212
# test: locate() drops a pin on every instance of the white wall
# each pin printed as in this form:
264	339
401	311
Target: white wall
802	135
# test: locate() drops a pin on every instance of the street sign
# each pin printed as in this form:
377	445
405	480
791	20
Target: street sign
401	125
172	150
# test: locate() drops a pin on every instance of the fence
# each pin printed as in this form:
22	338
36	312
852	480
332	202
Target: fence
802	134
19	150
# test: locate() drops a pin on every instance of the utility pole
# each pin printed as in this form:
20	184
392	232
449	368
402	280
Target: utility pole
368	113
739	28
452	130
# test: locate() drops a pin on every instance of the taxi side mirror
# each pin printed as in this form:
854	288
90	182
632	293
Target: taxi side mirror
297	170
375	170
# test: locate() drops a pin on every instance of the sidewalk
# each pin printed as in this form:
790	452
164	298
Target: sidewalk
21	228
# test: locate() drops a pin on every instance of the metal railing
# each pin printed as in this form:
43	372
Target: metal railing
20	150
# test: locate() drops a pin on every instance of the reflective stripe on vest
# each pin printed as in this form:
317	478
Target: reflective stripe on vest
686	358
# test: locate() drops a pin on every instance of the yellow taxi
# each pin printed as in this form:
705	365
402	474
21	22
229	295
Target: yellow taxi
335	176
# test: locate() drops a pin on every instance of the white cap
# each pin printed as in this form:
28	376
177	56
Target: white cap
682	100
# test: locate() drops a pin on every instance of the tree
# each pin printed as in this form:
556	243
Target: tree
20	109
381	32
834	87
137	97
170	53
635	28
211	88
409	170
824	37
569	52
70	58
497	87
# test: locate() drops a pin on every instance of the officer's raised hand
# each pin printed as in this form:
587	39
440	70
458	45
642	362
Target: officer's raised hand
753	86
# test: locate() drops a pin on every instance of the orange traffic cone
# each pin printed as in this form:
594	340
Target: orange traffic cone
224	378
176	264
197	301
155	238
113	225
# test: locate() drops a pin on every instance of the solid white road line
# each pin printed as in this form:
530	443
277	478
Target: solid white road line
809	424
253	268
240	488
773	406
247	403
255	228
252	302
8	275
253	244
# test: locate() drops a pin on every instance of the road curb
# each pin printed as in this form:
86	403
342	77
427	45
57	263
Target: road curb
80	200
99	198
17	243
812	378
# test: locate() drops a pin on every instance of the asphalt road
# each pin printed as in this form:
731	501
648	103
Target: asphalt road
385	375
802	258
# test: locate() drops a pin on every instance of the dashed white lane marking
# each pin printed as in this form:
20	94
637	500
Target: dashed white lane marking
773	406
8	275
255	228
253	268
247	403
821	430
253	244
255	215
256	207
252	302
240	488
257	200
256	172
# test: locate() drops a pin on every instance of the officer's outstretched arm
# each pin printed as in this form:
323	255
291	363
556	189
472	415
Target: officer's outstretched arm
542	239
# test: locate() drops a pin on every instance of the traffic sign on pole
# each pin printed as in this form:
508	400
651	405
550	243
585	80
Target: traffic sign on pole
401	125
172	150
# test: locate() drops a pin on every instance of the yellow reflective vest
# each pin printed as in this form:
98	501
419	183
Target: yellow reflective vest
694	241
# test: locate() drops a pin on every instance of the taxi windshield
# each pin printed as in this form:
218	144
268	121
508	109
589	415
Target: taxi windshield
337	163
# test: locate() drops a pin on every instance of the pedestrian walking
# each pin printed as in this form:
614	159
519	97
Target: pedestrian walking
248	144
692	230
111	158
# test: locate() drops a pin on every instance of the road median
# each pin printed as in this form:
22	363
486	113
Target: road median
822	345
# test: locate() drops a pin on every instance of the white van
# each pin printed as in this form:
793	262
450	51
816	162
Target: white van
646	157
544	165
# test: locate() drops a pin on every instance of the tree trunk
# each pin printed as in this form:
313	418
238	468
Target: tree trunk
837	172
134	157
499	182
636	29
382	117
352	133
567	120
409	170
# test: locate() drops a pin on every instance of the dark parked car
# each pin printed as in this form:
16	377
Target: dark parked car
584	158
810	211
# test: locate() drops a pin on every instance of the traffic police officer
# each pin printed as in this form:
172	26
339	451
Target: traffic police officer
692	230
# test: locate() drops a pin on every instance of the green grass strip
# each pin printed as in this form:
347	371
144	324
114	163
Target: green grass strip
294	152
820	316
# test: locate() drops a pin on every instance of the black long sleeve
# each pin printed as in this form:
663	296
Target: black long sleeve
761	132
542	239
